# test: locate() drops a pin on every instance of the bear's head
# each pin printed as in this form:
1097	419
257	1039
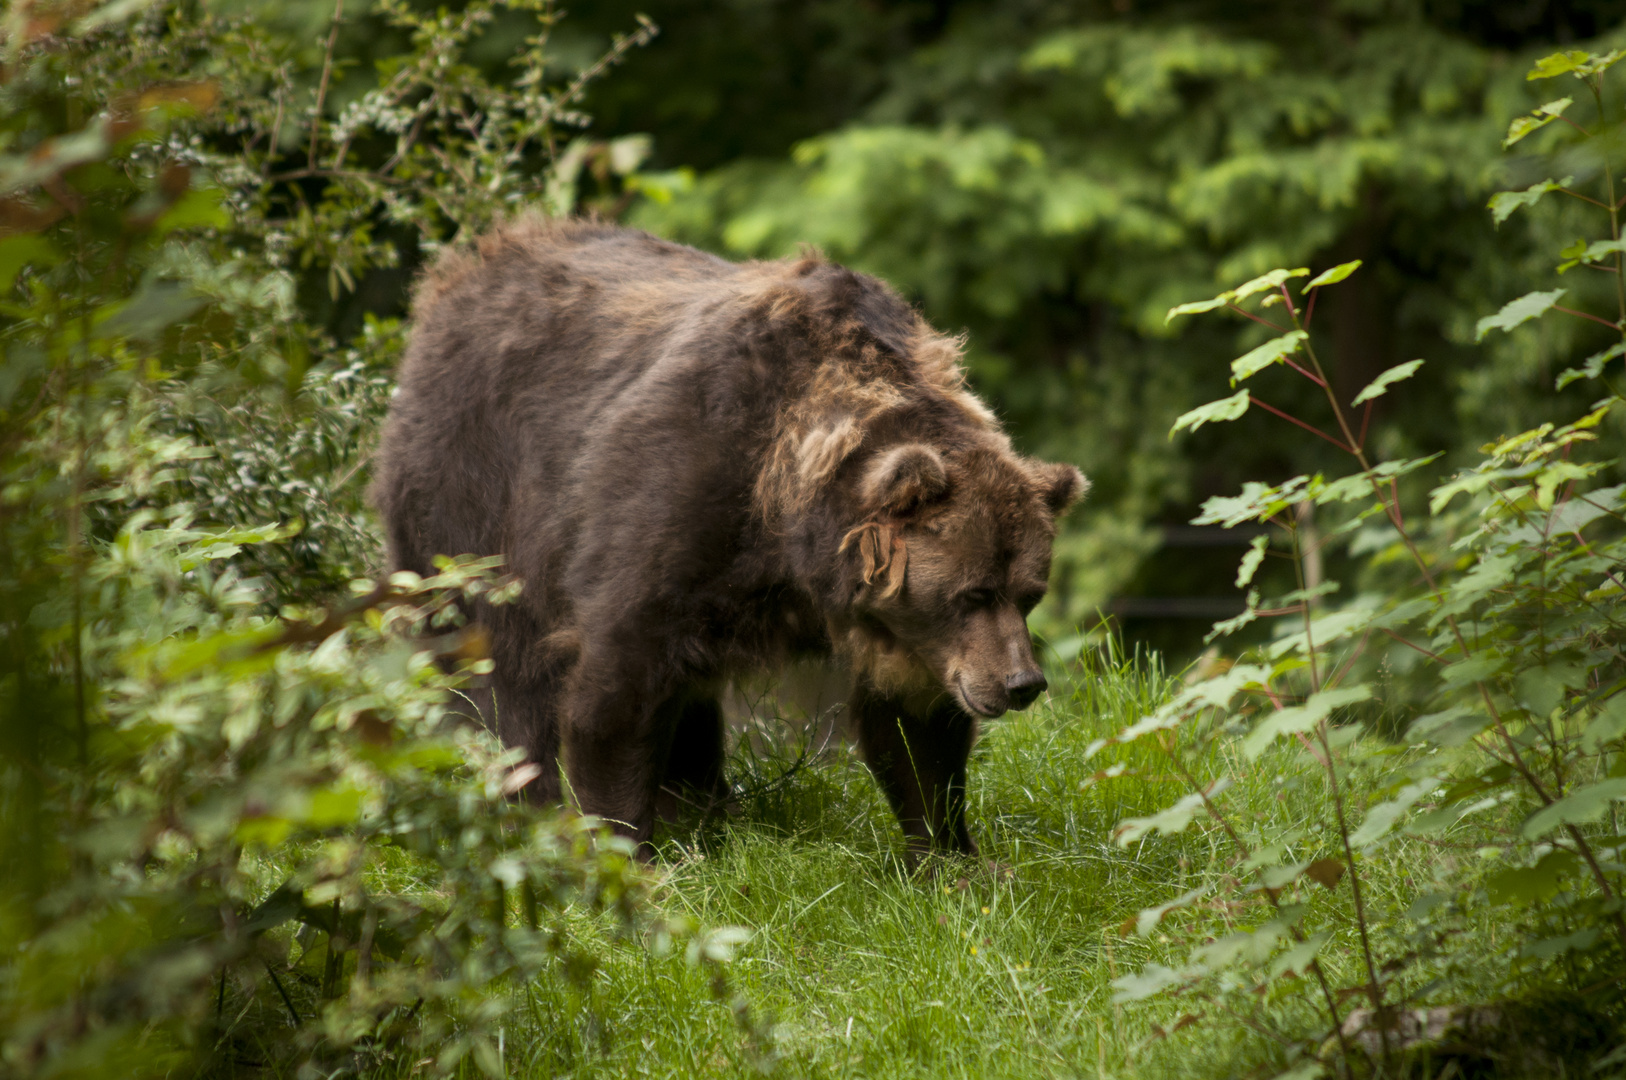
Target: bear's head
951	554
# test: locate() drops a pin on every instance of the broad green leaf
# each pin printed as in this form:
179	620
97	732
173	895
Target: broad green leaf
1381	819
1503	203
1252	560
1148	918
1558	63
1250	946
1573	62
1298	959
1541	689
198	208
1450	727
1359	485
1532	884
1250	612
1300	718
1333	276
1168	822
1273	280
1151	979
1608	726
1535	121
1473	670
1310	1068
159	304
1380	385
1256	502
1214	412
1518	311
1580	806
18	251
1549	948
1591	367
1196	307
1219	690
1271	352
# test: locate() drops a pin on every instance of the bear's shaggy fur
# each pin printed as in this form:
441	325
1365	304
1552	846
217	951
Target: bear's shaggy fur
699	467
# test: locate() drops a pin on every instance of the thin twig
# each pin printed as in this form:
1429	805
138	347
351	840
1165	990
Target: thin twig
321	87
1295	420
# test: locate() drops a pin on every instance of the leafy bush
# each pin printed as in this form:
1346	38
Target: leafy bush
1491	640
237	821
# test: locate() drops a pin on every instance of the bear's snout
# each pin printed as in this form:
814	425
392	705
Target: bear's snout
1024	687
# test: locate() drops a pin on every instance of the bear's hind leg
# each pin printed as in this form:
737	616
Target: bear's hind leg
694	758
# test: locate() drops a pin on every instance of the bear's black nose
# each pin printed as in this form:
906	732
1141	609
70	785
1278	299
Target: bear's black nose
1024	686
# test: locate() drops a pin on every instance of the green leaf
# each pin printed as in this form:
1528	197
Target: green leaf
1299	718
1271	352
1297	960
1535	121
1214	412
17	252
158	305
1580	806
1503	203
1608	726
1273	280
1559	63
1196	307
1532	884
1473	670
1331	277
1148	918
1380	385
1252	560
1518	311
1168	822
1541	689
1380	820
1573	62
1150	980
197	209
1451	727
1592	366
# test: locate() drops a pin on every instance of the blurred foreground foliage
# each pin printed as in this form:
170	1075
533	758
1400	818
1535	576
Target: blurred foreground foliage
1471	697
239	829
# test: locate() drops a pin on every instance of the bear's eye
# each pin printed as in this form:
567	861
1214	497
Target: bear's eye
977	598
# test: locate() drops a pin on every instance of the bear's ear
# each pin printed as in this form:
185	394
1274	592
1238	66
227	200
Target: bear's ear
1061	485
902	478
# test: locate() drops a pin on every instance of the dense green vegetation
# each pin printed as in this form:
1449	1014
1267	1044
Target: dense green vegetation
1373	830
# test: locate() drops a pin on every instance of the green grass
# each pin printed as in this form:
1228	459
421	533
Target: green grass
857	968
866	971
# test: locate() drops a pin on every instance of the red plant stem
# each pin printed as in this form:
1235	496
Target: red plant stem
1257	319
1586	315
1366	418
1413	645
1307	374
1309	309
1300	423
1583	198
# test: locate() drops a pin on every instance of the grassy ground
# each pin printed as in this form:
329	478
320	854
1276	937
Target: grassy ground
865	971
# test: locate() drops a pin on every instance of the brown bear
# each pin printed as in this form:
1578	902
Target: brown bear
699	467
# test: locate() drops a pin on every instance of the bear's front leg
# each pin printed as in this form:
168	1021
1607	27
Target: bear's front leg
920	763
613	752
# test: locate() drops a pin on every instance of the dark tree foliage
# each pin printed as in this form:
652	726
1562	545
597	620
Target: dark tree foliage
1052	176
